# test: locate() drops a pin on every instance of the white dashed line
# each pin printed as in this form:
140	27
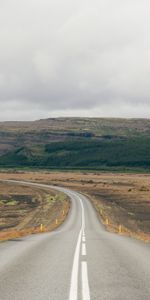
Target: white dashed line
85	283
83	239
74	277
83	249
73	295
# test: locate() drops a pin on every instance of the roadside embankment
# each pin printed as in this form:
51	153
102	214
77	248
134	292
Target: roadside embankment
28	210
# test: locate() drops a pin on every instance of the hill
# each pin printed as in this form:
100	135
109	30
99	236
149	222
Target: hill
79	143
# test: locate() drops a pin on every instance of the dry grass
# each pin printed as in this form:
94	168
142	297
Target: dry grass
23	209
117	227
13	234
124	198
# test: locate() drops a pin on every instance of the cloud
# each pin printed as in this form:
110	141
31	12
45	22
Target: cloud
74	58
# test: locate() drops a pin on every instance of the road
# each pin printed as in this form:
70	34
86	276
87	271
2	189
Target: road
79	261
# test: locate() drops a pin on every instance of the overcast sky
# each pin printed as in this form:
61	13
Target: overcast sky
74	58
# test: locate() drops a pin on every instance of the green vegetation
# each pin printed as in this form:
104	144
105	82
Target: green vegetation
12	202
9	202
50	199
60	196
76	144
84	153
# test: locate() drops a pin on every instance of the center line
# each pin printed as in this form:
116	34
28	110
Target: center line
83	249
74	277
73	295
83	239
85	283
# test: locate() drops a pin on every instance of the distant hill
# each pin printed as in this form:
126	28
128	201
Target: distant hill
80	143
98	126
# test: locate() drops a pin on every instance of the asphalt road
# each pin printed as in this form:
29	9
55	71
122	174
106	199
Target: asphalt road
78	261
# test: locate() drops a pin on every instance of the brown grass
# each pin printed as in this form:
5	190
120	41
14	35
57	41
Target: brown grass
124	198
13	234
23	209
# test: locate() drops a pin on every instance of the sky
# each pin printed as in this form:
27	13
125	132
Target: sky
88	58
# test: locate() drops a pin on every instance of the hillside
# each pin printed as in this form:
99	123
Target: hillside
79	143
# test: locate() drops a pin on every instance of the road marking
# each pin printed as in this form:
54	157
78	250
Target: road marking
83	249
85	283
75	268
83	239
73	295
74	276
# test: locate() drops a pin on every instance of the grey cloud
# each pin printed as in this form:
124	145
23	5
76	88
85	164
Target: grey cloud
74	58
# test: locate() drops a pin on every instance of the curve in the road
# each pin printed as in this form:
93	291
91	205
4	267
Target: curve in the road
78	261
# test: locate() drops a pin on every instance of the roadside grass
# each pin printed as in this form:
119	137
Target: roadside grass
113	227
28	210
123	198
58	197
61	217
12	202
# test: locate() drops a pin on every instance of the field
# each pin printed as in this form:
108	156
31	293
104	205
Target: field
23	209
119	199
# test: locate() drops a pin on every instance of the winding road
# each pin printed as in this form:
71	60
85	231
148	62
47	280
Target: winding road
79	261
